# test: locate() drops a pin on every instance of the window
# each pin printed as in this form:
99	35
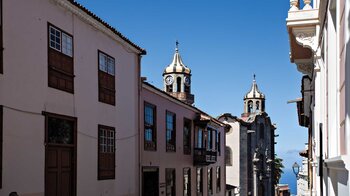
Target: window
60	60
210	181
106	152
228	156
199	179
257	105
170	182
250	106
200	138
150	139
169	88
106	78
187	182
187	136
209	139
60	131
178	84
218	179
170	132
218	142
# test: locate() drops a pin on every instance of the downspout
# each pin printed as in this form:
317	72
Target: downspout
320	164
139	88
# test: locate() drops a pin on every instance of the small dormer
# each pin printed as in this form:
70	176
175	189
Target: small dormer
177	79
254	100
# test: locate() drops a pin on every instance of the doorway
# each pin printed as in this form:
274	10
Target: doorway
150	181
60	155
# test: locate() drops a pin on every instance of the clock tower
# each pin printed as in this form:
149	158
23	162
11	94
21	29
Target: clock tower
177	79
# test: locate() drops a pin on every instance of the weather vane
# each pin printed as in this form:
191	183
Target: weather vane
177	45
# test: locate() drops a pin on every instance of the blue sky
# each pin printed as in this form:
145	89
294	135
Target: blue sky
224	43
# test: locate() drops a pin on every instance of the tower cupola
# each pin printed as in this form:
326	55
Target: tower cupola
254	100
177	79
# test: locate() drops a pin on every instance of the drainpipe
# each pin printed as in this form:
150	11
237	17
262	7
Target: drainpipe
139	88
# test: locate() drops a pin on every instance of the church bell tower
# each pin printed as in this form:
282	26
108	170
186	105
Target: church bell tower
177	79
254	100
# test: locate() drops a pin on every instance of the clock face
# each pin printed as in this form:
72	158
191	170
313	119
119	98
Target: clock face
187	81
169	80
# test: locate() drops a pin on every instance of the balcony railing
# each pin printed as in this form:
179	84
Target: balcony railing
295	5
203	156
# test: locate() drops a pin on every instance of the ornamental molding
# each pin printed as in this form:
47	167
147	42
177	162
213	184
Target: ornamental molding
96	24
306	37
305	66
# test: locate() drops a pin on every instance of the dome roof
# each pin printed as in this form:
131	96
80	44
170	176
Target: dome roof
177	66
254	92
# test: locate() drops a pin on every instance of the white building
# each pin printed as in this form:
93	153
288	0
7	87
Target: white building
319	46
302	177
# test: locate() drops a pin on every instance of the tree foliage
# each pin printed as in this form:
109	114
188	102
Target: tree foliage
278	169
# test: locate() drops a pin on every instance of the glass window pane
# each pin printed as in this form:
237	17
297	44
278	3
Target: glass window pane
67	44
60	131
111	66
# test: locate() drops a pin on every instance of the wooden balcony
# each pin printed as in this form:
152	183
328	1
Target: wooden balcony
203	156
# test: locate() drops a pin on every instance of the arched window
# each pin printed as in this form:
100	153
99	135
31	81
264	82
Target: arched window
257	106
262	106
178	82
228	156
250	106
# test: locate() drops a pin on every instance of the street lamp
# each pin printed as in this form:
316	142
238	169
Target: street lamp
296	168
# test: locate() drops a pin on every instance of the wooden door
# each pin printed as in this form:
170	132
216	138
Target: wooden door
150	182
60	156
59	171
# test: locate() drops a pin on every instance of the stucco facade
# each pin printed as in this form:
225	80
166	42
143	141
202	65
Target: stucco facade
319	46
159	158
26	99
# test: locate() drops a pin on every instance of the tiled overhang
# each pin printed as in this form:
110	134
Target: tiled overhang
302	25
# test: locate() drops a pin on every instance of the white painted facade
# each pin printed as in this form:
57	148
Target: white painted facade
321	29
302	178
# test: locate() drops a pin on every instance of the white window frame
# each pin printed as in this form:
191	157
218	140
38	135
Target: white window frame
65	44
107	143
106	63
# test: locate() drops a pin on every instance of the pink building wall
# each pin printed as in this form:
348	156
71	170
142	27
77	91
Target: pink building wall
178	160
24	94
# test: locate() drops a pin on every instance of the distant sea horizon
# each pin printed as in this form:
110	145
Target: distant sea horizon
288	177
